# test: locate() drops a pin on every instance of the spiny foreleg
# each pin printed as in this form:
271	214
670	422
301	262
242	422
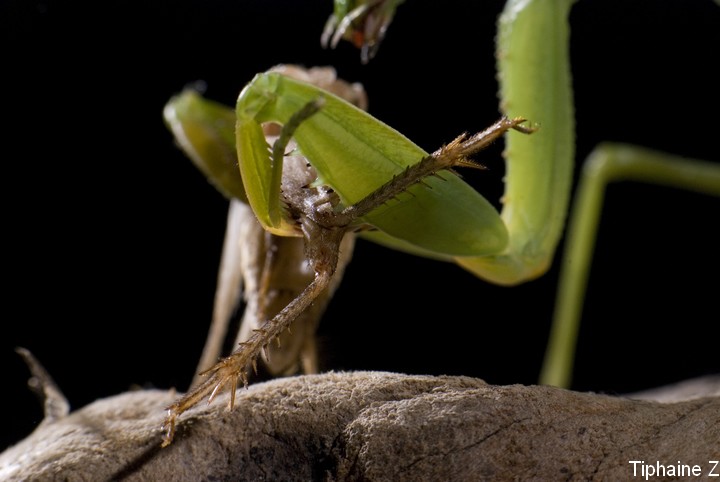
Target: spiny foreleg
235	366
454	154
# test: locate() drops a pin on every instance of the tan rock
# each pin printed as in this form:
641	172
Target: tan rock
372	426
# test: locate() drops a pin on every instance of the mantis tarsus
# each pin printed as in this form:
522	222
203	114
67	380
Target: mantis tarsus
530	33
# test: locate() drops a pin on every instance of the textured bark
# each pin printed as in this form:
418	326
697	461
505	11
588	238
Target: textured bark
374	426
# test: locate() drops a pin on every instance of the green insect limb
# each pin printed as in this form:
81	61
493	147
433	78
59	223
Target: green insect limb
607	163
534	74
205	130
341	141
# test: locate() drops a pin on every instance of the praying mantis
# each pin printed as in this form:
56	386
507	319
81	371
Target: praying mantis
523	238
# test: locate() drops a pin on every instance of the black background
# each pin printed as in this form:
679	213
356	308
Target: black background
112	239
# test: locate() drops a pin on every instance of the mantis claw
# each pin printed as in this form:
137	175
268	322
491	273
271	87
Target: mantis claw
168	428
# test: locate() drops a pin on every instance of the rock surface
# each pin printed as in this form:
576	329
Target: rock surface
373	426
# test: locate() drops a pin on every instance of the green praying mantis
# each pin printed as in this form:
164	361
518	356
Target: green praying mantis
316	170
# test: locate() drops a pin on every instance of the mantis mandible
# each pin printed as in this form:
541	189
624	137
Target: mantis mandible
533	35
